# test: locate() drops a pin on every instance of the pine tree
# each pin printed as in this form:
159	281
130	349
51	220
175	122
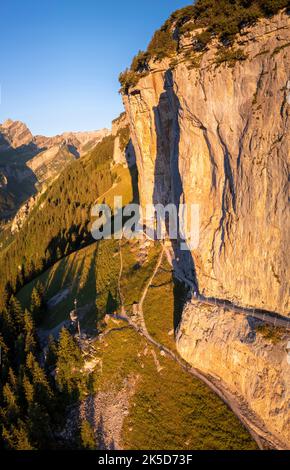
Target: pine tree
22	440
12	380
7	326
40	289
87	435
11	402
15	312
37	375
16	437
29	331
36	305
4	358
28	389
39	425
69	364
51	356
19	349
35	299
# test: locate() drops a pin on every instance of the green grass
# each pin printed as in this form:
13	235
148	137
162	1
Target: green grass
169	409
90	274
122	187
135	276
76	272
159	316
119	354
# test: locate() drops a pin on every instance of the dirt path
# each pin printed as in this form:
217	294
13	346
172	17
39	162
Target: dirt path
272	318
145	291
120	275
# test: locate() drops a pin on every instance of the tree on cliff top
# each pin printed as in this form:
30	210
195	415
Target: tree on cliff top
222	19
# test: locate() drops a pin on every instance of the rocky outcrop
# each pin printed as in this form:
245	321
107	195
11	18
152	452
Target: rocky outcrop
78	143
253	367
22	214
124	153
46	165
15	133
217	135
3	180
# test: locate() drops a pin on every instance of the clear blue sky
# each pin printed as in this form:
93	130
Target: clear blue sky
60	59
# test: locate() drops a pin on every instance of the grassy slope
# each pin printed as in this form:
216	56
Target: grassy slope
170	409
159	316
76	272
93	288
136	273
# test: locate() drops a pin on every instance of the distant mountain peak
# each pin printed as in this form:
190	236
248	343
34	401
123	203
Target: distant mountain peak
7	123
16	133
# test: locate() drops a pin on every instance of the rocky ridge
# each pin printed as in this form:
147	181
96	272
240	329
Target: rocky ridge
28	163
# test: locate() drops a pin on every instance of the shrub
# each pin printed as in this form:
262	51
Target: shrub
127	79
162	45
269	332
230	56
140	62
201	40
87	435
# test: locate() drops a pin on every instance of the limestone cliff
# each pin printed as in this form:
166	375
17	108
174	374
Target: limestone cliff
124	153
234	351
217	135
214	131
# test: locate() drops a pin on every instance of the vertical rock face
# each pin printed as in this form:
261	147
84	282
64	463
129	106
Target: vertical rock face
252	367
218	136
124	153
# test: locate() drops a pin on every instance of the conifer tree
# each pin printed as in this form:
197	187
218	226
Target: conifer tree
28	389
37	375
40	289
8	328
36	305
29	331
51	356
16	437
15	312
4	358
39	425
19	347
11	402
87	435
69	364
